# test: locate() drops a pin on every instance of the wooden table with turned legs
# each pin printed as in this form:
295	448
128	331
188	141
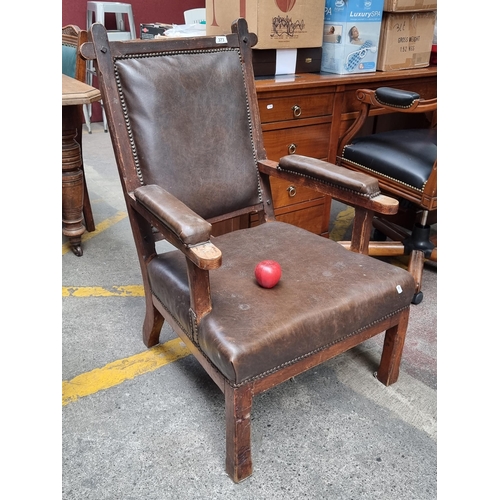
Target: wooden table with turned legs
74	94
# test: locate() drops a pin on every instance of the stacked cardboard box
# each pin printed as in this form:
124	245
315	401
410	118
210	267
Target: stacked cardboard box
406	34
351	35
409	5
286	30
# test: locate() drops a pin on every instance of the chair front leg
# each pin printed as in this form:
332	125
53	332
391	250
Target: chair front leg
416	268
361	229
388	371
153	322
238	424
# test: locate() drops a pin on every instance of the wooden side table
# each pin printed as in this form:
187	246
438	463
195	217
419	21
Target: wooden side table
74	95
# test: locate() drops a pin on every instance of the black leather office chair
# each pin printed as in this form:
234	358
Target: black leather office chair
404	161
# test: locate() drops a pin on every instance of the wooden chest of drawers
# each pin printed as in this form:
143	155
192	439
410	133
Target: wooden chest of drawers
298	121
306	114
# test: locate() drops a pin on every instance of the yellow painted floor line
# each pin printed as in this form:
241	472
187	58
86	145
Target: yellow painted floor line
124	369
98	291
102	226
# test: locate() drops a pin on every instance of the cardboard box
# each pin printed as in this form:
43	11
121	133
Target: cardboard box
278	24
271	62
351	35
409	5
153	30
406	40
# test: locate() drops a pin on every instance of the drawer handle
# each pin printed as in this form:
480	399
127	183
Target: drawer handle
291	191
296	111
292	148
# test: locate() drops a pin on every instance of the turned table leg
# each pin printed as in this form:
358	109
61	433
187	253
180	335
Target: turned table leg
72	181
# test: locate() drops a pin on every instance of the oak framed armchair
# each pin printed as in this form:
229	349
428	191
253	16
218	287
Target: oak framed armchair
184	124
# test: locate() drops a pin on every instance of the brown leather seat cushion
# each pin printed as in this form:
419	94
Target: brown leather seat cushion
246	336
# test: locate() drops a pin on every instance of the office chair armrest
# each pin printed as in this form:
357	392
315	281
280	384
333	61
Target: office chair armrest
341	184
182	227
395	98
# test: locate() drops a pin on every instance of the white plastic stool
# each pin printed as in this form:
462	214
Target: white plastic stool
96	13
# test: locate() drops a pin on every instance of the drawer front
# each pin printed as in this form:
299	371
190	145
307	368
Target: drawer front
295	108
286	193
311	218
308	141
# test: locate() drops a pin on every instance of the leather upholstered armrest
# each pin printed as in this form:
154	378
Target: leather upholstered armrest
341	184
391	97
188	226
333	174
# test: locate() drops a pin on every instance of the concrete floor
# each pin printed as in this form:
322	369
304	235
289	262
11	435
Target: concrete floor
332	433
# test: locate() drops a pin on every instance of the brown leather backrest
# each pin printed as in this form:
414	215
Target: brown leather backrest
189	124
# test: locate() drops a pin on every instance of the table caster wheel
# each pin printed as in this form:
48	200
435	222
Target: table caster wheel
77	249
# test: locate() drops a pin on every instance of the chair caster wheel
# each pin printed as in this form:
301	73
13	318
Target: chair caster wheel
417	298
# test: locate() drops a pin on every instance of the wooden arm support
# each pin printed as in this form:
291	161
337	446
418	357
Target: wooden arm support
341	184
352	188
188	232
180	226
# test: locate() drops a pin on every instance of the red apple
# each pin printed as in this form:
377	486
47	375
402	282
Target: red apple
267	273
